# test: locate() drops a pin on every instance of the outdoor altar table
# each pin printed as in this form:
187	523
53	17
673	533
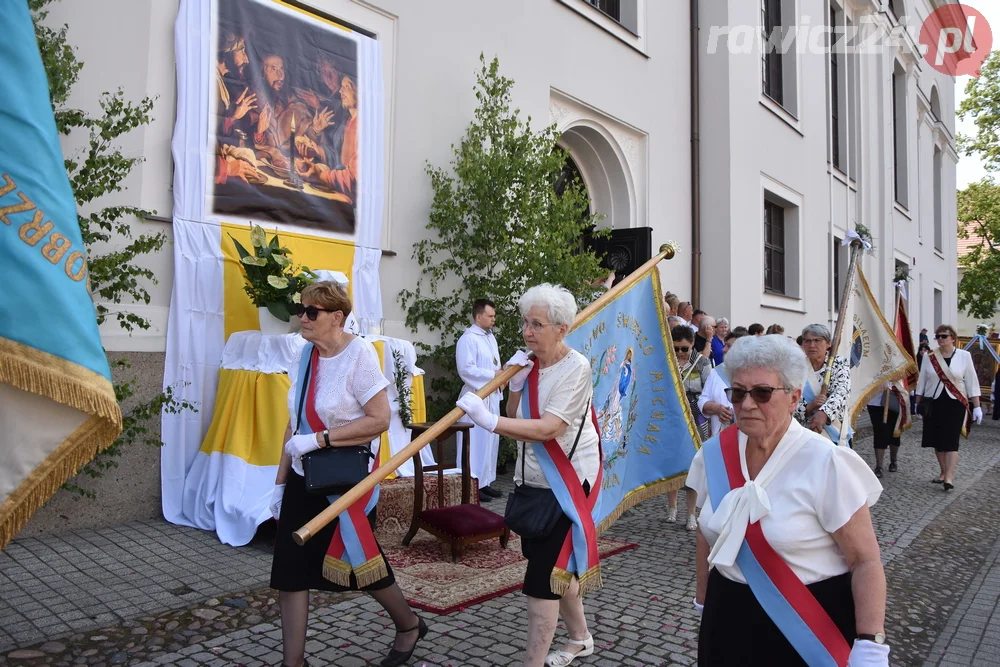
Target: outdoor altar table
229	486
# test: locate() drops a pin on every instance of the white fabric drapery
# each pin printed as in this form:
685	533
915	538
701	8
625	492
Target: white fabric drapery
196	326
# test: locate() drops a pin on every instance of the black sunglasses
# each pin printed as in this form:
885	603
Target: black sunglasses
760	395
312	312
681	349
940	336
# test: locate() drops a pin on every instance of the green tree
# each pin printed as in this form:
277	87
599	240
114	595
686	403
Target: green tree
498	225
97	170
979	216
979	203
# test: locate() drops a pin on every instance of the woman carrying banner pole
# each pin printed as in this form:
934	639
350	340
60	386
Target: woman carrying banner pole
337	398
550	413
788	566
948	398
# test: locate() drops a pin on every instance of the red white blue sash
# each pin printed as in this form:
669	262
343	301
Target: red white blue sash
579	556
353	548
783	596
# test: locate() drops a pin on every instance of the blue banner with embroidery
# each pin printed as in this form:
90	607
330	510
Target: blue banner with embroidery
55	382
648	434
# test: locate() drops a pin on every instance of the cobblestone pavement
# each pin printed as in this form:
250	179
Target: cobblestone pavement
155	594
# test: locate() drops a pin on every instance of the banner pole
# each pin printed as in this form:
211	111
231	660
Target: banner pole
856	247
317	523
895	326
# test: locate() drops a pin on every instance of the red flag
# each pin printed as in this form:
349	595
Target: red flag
903	335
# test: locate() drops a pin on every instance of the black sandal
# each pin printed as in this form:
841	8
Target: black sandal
892	466
937	481
878	472
948	486
397	658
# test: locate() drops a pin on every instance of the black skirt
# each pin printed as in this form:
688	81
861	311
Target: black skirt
542	554
882	431
735	630
943	429
296	568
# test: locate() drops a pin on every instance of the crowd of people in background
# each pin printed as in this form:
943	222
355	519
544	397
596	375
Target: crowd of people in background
950	397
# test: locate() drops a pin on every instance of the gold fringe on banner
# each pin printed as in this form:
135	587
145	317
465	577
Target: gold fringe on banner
639	495
69	384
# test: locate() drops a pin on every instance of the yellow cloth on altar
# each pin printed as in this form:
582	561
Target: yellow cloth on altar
250	417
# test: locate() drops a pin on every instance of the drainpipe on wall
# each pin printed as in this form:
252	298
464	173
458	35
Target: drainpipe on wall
695	159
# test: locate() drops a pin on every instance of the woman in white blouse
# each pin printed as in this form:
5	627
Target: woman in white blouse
949	391
348	396
565	391
811	500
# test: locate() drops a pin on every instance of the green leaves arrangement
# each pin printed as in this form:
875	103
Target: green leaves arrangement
272	281
402	388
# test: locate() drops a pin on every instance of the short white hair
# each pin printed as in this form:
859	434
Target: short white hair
722	320
774	353
557	301
674	320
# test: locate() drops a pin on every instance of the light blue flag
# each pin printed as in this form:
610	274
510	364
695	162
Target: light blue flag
647	431
57	403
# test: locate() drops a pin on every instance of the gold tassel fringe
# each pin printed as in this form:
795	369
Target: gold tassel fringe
639	495
64	382
337	571
78	449
559	581
590	581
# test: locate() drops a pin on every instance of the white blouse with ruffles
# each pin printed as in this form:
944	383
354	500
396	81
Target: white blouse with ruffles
347	381
808	489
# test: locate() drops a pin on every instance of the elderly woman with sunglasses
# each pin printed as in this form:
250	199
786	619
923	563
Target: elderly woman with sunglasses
822	411
337	399
694	371
785	532
550	402
948	398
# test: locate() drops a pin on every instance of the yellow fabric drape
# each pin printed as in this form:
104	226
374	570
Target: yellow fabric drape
250	417
384	451
315	252
418	403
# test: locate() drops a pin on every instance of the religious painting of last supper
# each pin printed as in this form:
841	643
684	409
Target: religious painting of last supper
286	118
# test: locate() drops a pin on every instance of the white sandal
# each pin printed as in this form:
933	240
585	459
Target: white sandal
692	522
563	658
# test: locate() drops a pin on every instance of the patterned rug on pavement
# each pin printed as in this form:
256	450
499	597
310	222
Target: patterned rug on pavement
433	583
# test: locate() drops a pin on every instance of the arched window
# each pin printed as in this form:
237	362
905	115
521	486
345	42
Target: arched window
935	103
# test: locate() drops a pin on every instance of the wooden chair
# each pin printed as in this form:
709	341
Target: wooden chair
457	525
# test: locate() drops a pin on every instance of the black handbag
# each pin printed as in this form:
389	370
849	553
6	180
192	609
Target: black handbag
926	406
332	470
532	512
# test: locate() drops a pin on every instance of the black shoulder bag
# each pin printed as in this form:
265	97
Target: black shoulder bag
331	470
532	512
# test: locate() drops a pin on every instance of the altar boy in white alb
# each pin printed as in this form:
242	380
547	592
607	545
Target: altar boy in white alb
478	361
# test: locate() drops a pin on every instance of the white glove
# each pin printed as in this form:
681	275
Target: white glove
700	608
276	497
300	444
520	358
478	412
868	654
977	415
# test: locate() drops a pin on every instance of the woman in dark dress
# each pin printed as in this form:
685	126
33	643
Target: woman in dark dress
948	382
345	398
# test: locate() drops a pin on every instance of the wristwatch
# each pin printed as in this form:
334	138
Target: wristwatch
326	438
878	637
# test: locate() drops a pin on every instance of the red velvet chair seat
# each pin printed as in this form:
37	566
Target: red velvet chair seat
463	521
